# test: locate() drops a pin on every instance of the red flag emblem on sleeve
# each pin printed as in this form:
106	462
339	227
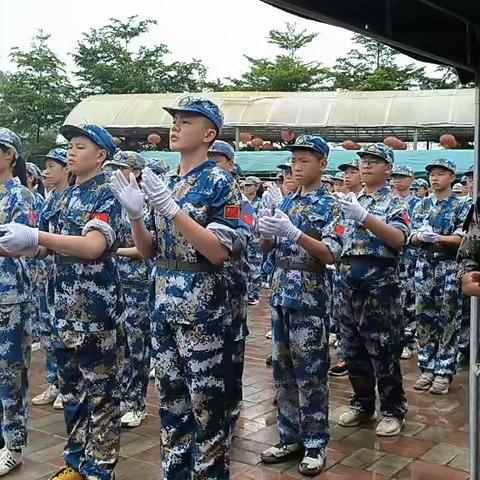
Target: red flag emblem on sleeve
232	212
406	218
104	217
248	219
32	216
340	230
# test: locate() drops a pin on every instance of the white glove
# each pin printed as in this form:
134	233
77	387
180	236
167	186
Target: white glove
352	208
158	195
128	194
265	231
280	225
427	235
15	238
273	197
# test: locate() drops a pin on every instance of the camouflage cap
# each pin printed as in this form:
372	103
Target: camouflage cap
128	159
96	134
59	155
310	142
223	148
252	181
339	176
33	170
328	179
157	165
457	188
286	165
11	139
354	163
442	162
379	150
419	183
402	170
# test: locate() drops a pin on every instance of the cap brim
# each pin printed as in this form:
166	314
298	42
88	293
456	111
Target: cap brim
46	157
344	166
400	175
428	168
292	148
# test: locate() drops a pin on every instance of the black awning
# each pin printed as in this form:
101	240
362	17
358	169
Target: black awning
441	31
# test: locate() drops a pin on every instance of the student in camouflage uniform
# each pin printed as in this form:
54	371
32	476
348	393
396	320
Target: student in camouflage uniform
369	304
16	205
308	230
57	173
403	177
436	233
88	323
135	279
195	215
420	188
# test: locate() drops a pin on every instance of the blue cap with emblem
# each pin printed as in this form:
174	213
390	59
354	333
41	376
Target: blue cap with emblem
11	140
96	134
223	148
33	170
127	159
402	170
199	106
443	163
310	142
379	150
59	155
354	163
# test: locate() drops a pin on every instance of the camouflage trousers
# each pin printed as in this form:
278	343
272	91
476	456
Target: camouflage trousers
300	371
15	339
464	335
407	288
372	340
438	310
255	261
90	366
191	368
137	352
235	357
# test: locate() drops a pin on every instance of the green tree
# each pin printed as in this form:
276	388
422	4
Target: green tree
38	95
287	72
107	62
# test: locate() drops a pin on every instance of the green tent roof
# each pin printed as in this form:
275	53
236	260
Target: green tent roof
265	164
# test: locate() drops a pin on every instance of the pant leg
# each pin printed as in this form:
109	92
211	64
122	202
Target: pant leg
380	325
15	339
354	352
407	288
288	405
255	260
137	357
464	335
310	358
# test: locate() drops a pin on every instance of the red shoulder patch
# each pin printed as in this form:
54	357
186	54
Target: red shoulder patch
32	216
104	217
248	219
406	218
231	212
340	230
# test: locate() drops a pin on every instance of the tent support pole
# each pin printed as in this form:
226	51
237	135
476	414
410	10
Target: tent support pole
474	380
415	138
237	139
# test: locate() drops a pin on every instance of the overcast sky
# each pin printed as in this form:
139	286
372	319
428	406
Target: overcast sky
219	32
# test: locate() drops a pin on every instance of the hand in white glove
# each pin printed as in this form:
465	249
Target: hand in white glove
427	235
352	208
280	225
158	194
128	194
16	238
273	197
266	232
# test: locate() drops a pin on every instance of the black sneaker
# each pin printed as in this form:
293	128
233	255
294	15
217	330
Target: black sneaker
339	370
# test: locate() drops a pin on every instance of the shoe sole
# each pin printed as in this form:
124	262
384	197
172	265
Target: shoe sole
309	472
360	422
422	389
289	456
12	469
41	403
333	374
437	392
392	434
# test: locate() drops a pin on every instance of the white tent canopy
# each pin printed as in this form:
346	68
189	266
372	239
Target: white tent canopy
361	116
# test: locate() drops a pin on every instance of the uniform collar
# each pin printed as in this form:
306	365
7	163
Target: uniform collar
196	171
314	195
97	180
383	192
436	201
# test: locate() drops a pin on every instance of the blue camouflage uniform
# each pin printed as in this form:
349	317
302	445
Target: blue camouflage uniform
88	323
135	280
190	322
300	316
369	303
438	294
16	205
408	260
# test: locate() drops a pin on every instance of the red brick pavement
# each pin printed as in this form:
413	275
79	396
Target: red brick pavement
432	446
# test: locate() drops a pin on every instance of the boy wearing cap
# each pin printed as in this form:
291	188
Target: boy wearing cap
369	305
436	233
135	279
88	305
403	177
351	177
195	215
57	172
306	234
339	184
420	188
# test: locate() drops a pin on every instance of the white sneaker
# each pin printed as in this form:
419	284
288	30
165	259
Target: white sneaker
268	334
36	346
58	403
133	418
265	285
332	338
152	373
47	397
9	460
253	301
406	354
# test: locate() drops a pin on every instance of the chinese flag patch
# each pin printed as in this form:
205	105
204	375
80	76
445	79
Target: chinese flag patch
248	219
340	230
406	218
231	212
104	217
32	216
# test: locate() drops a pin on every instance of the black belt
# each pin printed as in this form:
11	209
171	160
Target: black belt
369	260
70	259
176	265
437	252
306	266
